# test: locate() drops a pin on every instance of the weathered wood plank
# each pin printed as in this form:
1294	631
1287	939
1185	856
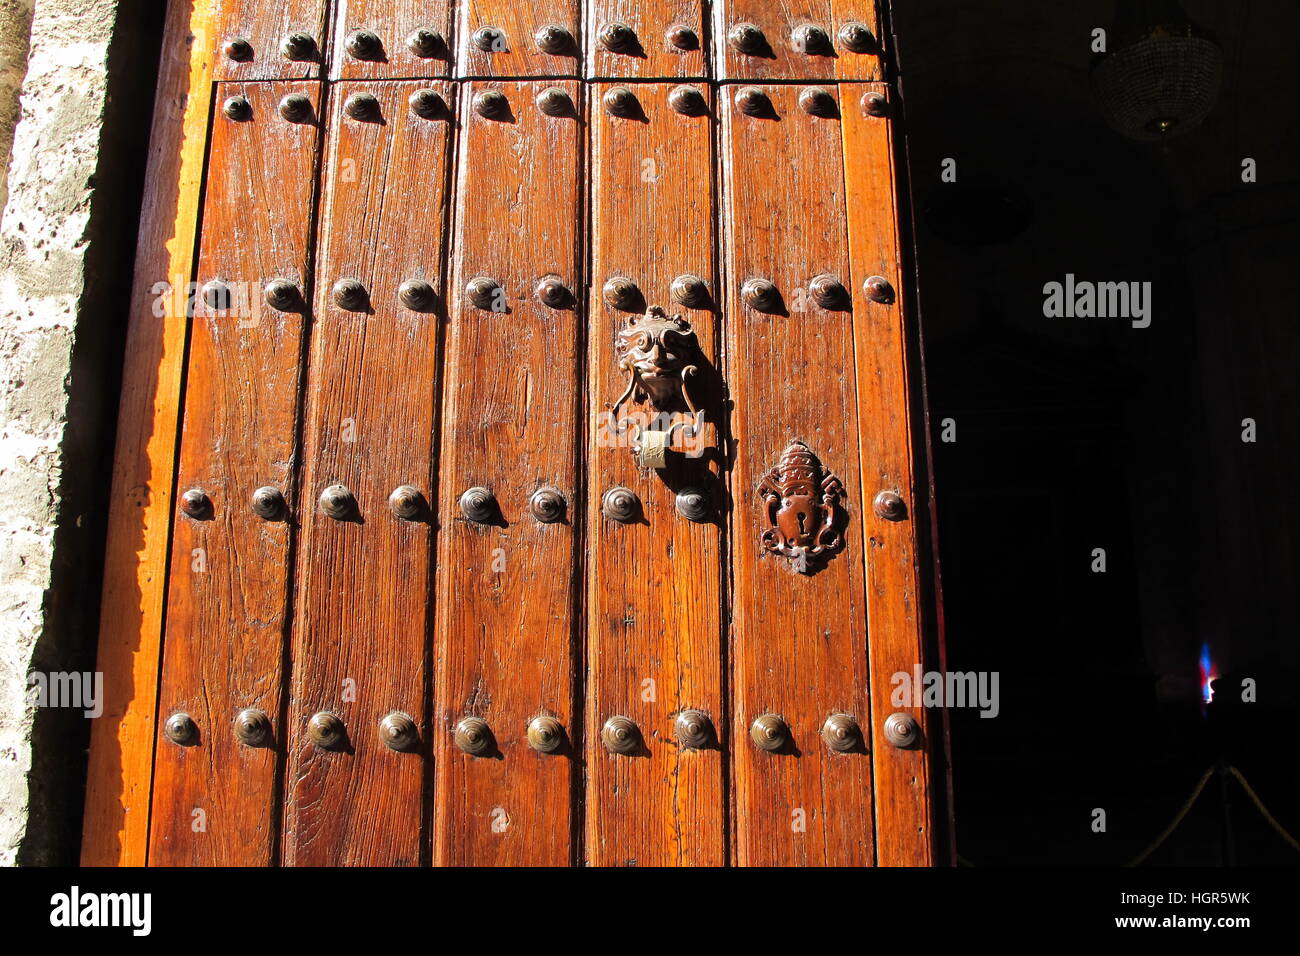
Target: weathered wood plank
798	641
363	604
654	635
214	801
506	587
115	829
903	782
263	26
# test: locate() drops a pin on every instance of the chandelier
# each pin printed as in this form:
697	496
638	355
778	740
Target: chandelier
1161	77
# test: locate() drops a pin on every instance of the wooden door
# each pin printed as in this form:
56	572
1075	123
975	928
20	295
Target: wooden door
545	478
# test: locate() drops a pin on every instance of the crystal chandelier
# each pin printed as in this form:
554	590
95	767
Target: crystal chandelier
1161	77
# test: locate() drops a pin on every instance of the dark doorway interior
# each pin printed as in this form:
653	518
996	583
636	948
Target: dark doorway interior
1076	434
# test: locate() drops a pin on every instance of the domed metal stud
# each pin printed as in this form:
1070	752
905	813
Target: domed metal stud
857	38
553	39
398	731
196	503
545	734
552	292
620	735
693	504
812	40
492	104
406	502
828	292
621	505
428	104
364	45
841	733
555	101
752	101
362	107
252	727
620	101
282	295
296	108
816	101
478	505
298	46
416	295
620	292
618	38
747	38
337	502
681	37
547	505
691	291
693	729
217	295
267	502
875	104
237	108
326	731
878	289
238	49
688	101
889	505
769	732
902	730
351	294
181	730
489	39
424	43
760	294
473	736
485	293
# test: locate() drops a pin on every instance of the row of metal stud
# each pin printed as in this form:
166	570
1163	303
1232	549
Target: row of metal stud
477	504
619	735
620	38
618	292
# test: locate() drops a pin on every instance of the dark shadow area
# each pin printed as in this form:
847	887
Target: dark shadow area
1105	522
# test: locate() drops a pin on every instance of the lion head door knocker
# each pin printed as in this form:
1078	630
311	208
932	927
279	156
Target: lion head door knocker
802	501
661	356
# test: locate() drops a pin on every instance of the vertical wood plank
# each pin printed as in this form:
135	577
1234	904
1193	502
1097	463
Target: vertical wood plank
654	55
798	642
363	591
786	54
115	829
653	627
214	801
264	25
393	22
903	781
506	589
516	52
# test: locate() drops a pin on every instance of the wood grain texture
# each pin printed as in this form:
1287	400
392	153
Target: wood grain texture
228	577
903	783
363	591
392	21
654	57
265	24
511	424
520	22
784	58
653	603
798	641
115	828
